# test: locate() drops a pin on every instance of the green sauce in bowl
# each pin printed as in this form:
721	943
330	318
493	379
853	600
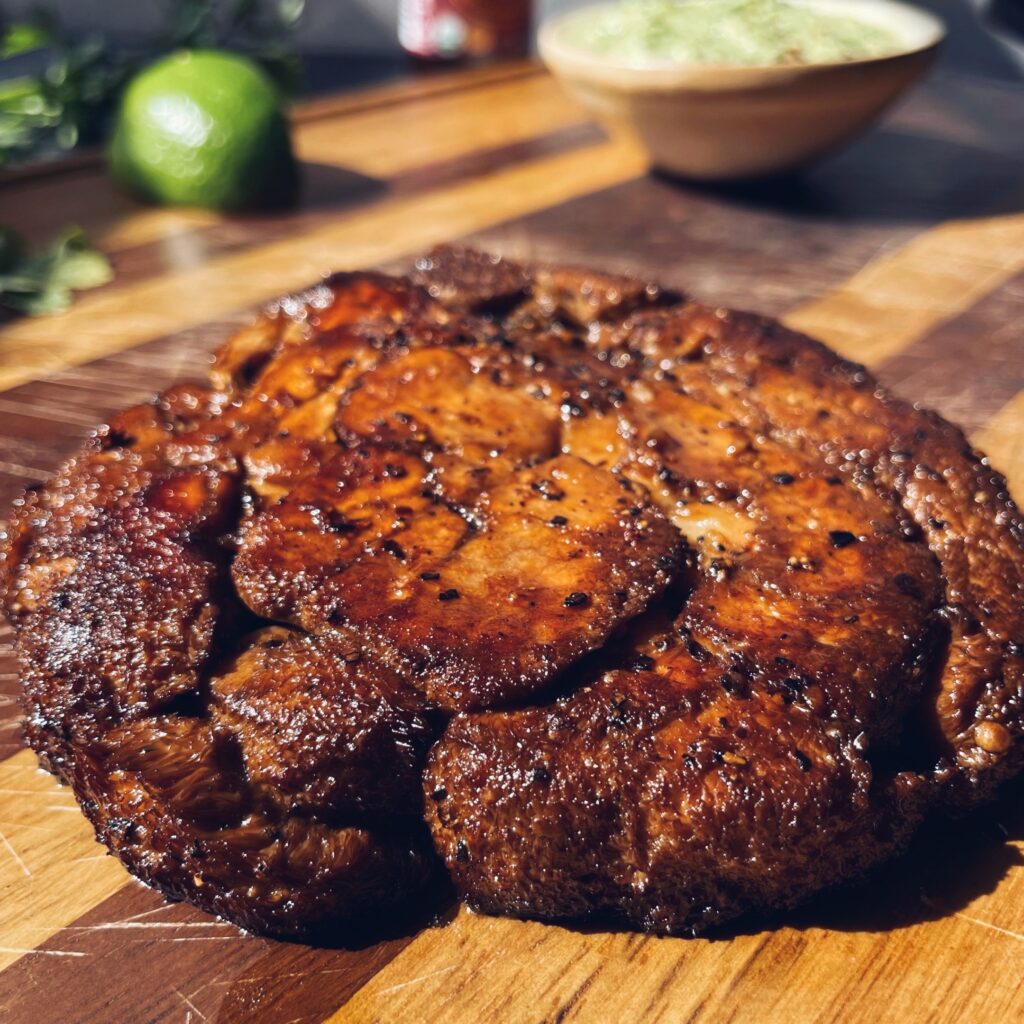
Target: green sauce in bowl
740	33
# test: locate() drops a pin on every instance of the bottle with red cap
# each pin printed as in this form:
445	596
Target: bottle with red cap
453	30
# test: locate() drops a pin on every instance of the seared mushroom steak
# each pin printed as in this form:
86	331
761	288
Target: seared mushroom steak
609	603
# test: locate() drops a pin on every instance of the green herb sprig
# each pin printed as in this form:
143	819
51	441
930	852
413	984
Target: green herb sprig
72	101
34	284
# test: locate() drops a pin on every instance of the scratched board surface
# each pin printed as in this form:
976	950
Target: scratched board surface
906	253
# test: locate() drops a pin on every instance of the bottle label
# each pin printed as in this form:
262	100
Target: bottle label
457	28
432	28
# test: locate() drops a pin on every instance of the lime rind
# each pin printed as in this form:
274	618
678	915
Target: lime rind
204	128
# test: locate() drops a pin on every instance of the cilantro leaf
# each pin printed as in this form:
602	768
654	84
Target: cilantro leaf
44	282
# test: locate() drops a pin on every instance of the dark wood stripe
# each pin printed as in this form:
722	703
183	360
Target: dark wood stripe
749	254
581	990
73	164
697	1013
190	963
446	173
970	366
984	112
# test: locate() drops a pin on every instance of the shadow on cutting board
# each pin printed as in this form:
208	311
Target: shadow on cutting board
950	864
892	177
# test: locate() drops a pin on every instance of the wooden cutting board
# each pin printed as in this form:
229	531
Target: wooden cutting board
906	253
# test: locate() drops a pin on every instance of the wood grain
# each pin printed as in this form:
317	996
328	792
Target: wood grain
899	296
45	844
492	969
435	128
916	272
217	972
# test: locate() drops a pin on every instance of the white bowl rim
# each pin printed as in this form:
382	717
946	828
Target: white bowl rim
930	28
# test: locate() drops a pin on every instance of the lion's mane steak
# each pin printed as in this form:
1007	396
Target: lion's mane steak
610	603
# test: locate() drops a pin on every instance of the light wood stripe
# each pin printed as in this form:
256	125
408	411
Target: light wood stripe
106	322
503	970
51	868
901	295
384	143
145	226
1002	440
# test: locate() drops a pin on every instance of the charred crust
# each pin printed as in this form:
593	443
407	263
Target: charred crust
670	703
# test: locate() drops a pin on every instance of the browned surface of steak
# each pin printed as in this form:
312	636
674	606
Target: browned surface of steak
614	604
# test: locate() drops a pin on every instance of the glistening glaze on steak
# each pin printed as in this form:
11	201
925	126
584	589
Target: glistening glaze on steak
614	604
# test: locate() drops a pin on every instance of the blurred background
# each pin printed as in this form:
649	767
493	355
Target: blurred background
82	81
982	32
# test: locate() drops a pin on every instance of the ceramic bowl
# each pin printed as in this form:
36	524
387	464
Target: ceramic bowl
727	123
